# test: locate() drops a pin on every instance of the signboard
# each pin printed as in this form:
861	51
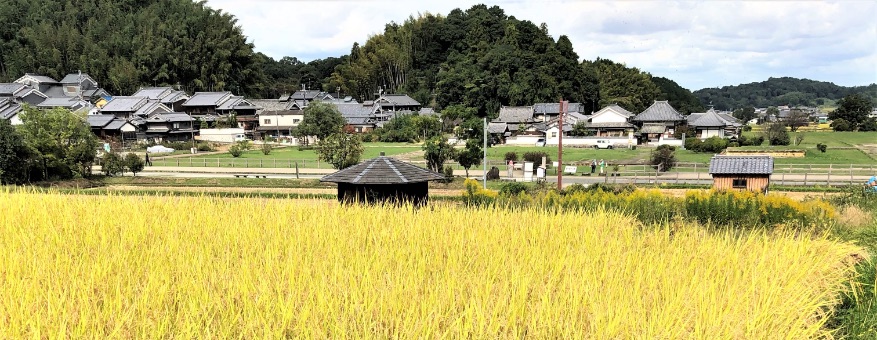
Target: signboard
570	169
528	171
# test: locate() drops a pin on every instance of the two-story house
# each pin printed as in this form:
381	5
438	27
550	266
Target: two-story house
167	96
171	126
132	107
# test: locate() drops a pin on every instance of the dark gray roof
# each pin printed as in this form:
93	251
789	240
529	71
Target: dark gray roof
707	119
496	128
305	94
353	110
74	78
124	104
742	165
8	108
9	89
383	170
41	79
116	124
234	102
554	108
398	99
170	117
269	104
660	111
428	111
515	114
151	107
99	121
358	120
67	102
207	99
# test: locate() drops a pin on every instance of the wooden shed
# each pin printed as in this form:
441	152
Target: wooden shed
741	172
383	180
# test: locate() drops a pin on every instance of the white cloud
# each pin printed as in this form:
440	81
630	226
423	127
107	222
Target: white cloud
697	44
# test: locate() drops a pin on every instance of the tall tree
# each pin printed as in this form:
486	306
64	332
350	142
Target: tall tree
437	151
340	149
628	87
62	142
319	120
14	155
854	109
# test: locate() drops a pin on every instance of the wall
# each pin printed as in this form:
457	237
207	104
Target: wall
757	183
608	117
220	135
280	120
522	140
591	141
714	132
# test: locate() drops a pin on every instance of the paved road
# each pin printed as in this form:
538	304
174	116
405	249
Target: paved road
672	177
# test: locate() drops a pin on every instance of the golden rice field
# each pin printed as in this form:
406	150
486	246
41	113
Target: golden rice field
176	267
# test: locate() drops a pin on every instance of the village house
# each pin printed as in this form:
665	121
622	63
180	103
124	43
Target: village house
112	129
713	124
132	107
544	112
611	121
170	126
72	85
21	93
658	123
167	96
212	106
9	110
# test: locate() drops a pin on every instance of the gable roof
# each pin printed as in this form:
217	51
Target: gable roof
741	165
269	104
207	98
169	117
153	92
8	108
614	108
10	89
65	102
397	100
554	108
152	106
99	121
116	124
515	114
124	104
711	118
76	78
660	111
38	78
305	94
353	110
495	128
383	170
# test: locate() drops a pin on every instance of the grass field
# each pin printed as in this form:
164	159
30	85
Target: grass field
198	267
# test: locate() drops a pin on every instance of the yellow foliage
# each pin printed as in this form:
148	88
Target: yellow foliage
198	267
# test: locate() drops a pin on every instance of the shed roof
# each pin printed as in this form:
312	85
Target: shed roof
8	108
383	170
741	165
99	121
495	128
660	111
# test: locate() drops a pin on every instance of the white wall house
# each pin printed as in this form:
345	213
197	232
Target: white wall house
279	123
611	121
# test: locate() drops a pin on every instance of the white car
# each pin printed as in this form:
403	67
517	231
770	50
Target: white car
540	142
159	149
603	144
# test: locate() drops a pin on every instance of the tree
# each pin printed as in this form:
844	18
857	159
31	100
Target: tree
772	111
112	164
62	142
266	146
470	156
745	114
340	149
841	124
14	155
664	157
134	163
797	118
319	120
581	129
854	109
776	134
437	151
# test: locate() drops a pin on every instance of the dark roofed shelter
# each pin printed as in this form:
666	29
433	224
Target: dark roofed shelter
741	172
383	180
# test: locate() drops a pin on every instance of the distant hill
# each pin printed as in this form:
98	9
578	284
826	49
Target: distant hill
780	91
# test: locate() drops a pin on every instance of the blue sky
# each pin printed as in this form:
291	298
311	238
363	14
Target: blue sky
697	44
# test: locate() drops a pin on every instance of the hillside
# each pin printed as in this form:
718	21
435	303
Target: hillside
127	44
780	91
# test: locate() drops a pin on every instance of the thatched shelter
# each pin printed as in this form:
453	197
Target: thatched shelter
383	180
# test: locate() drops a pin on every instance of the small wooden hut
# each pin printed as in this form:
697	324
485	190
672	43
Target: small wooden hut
383	180
741	172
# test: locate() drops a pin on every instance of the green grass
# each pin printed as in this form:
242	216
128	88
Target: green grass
571	154
830	138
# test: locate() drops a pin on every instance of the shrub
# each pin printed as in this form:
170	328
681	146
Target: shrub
235	151
733	144
841	124
206	147
134	163
513	188
475	195
694	144
112	164
511	156
266	148
744	209
536	158
750	141
449	174
664	157
177	145
822	147
493	174
714	144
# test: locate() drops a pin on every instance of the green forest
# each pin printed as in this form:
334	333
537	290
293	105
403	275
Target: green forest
781	91
479	57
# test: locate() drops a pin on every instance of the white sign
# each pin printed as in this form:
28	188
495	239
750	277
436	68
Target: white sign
570	169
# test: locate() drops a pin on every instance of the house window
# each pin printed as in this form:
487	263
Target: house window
176	125
739	183
295	121
267	121
554	135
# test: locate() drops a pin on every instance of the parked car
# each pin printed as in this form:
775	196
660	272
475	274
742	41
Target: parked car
603	144
540	142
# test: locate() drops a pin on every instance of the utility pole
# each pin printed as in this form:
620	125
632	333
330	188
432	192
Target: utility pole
562	111
484	160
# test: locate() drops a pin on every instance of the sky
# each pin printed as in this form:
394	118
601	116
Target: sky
697	44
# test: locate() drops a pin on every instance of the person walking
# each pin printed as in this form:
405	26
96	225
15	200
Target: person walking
602	166
148	162
593	165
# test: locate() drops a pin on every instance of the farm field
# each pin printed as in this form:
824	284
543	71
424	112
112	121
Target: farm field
197	267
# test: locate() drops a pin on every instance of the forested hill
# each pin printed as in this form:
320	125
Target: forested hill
780	91
125	44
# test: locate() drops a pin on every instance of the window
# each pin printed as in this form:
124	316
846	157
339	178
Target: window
176	125
553	134
295	121
739	183
267	121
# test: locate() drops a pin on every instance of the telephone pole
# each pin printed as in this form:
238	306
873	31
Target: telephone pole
561	112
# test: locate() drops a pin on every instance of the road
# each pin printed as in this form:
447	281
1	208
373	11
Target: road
669	178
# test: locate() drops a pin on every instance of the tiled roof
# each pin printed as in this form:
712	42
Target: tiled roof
153	92
397	99
269	104
151	107
41	79
614	108
99	121
515	114
554	108
9	89
741	165
170	117
609	125
116	124
427	111
59	102
352	110
660	111
8	108
305	94
124	104
383	170
358	120
653	128
495	128
75	78
707	119
207	99
231	103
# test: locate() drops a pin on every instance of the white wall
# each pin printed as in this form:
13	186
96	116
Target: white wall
280	120
591	141
608	117
15	120
707	133
523	140
220	135
669	141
